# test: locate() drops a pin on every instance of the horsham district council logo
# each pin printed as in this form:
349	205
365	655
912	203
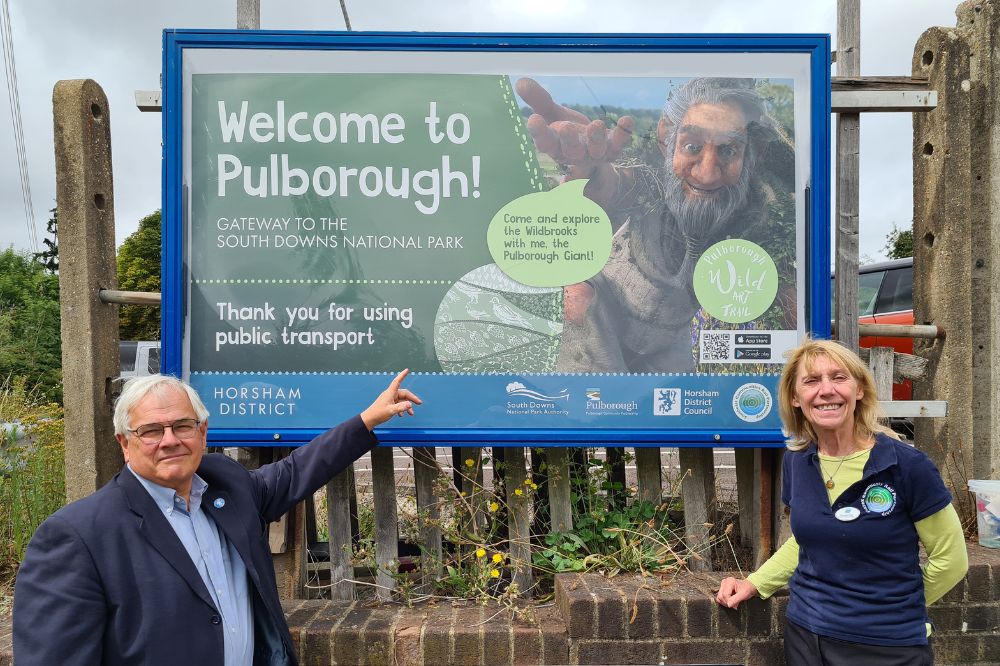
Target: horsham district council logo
666	402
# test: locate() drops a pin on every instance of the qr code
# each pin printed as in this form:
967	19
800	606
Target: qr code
716	346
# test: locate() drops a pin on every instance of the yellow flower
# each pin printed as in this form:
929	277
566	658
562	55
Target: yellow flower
527	482
494	573
494	506
518	492
469	462
534	486
463	493
481	552
497	558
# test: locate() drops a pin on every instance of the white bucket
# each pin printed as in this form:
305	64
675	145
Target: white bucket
987	511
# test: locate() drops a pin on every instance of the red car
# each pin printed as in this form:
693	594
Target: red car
885	296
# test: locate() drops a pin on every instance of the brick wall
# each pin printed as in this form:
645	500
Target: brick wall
599	621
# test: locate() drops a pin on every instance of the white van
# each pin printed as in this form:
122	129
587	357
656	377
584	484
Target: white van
139	358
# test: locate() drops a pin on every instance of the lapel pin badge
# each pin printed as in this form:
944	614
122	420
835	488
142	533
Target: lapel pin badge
219	503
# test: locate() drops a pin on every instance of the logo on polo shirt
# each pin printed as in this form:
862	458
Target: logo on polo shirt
879	498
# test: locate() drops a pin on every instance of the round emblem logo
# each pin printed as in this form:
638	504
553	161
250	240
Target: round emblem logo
752	402
879	498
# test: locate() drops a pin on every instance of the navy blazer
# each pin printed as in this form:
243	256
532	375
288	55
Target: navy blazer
105	580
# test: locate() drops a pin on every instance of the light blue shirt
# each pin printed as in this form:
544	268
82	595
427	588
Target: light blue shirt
219	564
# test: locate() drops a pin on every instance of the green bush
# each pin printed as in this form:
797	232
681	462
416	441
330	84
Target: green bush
32	472
29	325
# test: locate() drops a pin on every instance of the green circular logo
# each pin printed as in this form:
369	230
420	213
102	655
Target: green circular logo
735	281
879	498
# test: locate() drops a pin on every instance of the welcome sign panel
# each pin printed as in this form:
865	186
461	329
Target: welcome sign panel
561	246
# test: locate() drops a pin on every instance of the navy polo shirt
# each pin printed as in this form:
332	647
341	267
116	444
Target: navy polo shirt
860	580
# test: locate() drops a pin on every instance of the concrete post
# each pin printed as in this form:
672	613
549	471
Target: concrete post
89	328
956	232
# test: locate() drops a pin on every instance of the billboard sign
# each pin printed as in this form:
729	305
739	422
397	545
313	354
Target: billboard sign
566	238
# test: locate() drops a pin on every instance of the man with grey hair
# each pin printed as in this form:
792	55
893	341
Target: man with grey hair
725	163
169	562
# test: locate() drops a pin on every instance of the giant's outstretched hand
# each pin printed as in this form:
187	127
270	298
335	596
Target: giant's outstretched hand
394	401
586	147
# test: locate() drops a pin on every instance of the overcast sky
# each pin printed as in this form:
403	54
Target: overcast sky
118	44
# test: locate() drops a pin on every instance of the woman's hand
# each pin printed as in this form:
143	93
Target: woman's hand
734	591
393	401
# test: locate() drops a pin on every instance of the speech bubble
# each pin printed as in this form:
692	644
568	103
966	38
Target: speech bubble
735	280
551	239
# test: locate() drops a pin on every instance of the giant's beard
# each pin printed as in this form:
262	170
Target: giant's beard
703	220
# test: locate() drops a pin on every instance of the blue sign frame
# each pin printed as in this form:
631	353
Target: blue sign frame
708	432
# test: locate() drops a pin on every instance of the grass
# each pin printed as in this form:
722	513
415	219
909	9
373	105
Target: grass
32	475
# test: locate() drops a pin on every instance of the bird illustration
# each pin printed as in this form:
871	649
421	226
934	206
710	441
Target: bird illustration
507	314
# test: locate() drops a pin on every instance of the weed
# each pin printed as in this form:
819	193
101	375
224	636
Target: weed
32	470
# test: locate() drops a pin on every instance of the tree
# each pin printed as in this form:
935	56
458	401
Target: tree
899	243
139	270
49	257
29	325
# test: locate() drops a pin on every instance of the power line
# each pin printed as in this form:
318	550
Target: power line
10	69
343	9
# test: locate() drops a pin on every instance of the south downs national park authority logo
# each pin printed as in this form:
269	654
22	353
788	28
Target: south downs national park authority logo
879	498
752	402
522	401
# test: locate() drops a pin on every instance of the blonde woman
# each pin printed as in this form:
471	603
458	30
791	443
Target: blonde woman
861	504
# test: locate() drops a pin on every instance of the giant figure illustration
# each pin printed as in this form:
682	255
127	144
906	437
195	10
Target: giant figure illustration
728	172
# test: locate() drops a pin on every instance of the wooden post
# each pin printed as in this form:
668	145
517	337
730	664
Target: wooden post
248	14
338	521
762	529
89	328
472	485
425	472
647	462
781	528
520	521
880	361
615	455
541	522
386	527
746	471
698	491
758	473
848	178
500	520
559	490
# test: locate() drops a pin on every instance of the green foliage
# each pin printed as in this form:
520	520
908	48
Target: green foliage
779	102
899	243
32	471
139	270
608	536
29	325
49	257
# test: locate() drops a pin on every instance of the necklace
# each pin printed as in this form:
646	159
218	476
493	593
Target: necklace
829	480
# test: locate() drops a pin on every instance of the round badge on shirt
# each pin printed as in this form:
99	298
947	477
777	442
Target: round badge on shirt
847	514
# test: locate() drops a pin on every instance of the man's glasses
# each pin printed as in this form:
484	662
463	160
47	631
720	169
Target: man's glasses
152	433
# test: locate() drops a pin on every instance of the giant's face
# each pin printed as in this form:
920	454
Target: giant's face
171	462
709	148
